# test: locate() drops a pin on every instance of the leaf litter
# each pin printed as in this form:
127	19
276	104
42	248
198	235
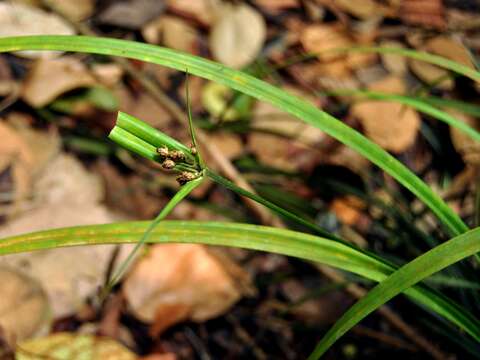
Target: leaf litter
188	300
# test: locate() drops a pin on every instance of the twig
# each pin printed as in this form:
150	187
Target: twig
385	338
258	353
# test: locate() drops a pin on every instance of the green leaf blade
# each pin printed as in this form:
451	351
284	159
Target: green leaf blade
255	88
408	275
252	237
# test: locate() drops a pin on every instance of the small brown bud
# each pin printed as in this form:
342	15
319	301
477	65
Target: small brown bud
168	164
186	176
162	151
193	150
176	155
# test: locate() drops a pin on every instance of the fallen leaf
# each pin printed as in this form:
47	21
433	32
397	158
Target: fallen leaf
228	144
138	201
447	47
21	19
396	64
432	74
68	346
61	75
131	14
74	9
277	151
450	48
108	74
143	107
464	144
277	5
174	282
351	159
24	309
362	9
8	84
172	32
323	39
348	209
15	152
67	195
320	39
266	117
237	36
390	124
203	11
429	13
44	145
166	356
65	180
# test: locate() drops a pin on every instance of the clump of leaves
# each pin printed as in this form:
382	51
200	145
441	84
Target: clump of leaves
152	144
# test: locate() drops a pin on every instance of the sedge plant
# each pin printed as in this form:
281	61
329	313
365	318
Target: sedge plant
320	246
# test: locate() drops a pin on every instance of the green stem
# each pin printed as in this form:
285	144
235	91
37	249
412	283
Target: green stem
133	143
262	91
285	213
149	134
179	196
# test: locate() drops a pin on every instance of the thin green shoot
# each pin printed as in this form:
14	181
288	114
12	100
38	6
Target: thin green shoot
258	89
254	237
177	198
432	261
416	103
440	61
190	123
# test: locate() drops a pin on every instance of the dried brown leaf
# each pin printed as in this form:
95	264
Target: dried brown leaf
323	40
21	19
362	9
172	32
184	277
24	309
390	124
464	144
432	74
67	195
277	5
74	9
131	14
50	78
237	36
203	11
268	118
14	151
396	64
429	13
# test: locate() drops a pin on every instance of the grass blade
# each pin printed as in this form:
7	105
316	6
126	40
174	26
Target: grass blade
408	275
149	134
130	142
418	55
462	106
418	104
253	237
260	90
178	197
277	209
190	124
